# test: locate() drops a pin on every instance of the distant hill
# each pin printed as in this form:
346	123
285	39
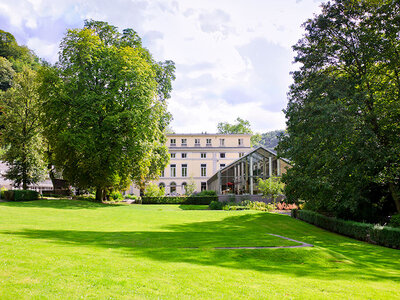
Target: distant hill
270	138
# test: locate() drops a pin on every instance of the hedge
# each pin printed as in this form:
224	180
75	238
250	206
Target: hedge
380	235
21	195
206	200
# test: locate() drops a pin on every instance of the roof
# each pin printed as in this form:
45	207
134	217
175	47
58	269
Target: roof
247	154
208	134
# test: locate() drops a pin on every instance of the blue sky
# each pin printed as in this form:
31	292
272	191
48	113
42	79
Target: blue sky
233	57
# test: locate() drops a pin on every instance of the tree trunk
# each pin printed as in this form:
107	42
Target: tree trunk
99	194
394	191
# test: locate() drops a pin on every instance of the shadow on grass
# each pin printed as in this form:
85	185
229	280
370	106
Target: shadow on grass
60	203
336	257
193	207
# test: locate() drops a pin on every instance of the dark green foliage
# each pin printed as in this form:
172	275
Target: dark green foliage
2	191
19	56
205	193
88	197
21	133
395	221
270	139
385	236
216	205
204	200
344	110
240	126
105	109
6	74
129	196
57	193
116	196
21	195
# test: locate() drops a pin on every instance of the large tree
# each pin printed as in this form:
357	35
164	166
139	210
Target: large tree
240	126
105	108
21	134
344	110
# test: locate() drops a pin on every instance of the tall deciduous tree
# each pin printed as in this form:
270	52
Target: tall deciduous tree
105	108
21	130
6	74
344	111
240	126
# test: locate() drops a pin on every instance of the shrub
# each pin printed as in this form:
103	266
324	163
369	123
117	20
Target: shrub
21	195
285	206
395	221
87	197
3	189
200	200
152	190
132	197
56	193
257	205
216	205
385	236
196	200
234	206
116	196
205	194
271	187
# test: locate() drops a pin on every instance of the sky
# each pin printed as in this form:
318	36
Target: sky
233	57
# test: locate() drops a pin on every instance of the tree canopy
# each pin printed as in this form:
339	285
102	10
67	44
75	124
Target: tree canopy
105	108
240	126
270	139
21	134
343	112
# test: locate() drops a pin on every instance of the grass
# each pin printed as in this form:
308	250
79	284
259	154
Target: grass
76	249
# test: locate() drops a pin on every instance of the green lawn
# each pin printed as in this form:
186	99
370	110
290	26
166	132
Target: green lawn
55	249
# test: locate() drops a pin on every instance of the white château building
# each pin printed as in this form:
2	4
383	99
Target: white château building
196	157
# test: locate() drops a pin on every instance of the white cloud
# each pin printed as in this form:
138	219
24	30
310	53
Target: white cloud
233	57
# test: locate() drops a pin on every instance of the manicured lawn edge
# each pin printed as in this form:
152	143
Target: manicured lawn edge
203	200
375	234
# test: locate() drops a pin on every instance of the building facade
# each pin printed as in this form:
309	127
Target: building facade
196	157
242	175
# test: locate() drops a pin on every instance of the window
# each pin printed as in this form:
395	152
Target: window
240	142
172	187
222	155
203	186
162	173
184	170
241	154
173	170
222	142
184	184
203	170
203	155
173	155
208	142
197	142
184	142
173	142
221	166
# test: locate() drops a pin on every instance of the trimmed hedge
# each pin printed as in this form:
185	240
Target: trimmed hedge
380	235
21	195
56	193
205	200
